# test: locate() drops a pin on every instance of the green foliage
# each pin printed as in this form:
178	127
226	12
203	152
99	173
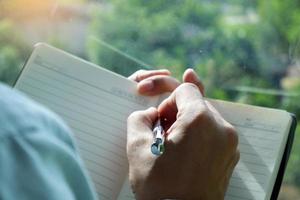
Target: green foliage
254	49
12	52
164	33
292	175
175	35
279	31
228	43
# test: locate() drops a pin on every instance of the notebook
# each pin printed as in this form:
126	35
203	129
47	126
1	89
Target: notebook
95	103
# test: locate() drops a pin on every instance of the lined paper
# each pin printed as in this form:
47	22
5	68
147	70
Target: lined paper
95	108
96	104
262	138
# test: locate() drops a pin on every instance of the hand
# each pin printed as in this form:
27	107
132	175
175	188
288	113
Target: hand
200	149
155	82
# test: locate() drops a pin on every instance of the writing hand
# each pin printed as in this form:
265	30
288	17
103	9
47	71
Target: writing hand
200	149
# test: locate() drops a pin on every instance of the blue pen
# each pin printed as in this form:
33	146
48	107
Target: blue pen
157	147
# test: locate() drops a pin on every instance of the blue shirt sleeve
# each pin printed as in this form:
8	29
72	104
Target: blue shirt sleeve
38	159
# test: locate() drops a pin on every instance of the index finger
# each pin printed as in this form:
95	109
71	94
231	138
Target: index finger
143	74
185	98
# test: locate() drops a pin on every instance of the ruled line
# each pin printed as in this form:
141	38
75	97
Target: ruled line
263	154
247	179
103	195
102	139
238	196
84	89
91	170
82	149
101	165
251	135
245	188
265	130
75	103
79	80
102	185
72	118
83	97
253	173
98	147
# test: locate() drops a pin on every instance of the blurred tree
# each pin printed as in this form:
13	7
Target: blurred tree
279	30
292	175
169	33
12	52
176	35
277	46
229	43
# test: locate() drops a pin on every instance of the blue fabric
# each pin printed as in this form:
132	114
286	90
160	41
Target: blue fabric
38	159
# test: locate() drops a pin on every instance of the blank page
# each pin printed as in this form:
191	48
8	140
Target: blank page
94	103
263	134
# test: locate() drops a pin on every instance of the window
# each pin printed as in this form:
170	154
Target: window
244	51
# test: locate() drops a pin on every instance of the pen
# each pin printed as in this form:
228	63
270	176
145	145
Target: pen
157	147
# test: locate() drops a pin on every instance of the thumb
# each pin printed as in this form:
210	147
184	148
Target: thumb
190	76
141	122
184	101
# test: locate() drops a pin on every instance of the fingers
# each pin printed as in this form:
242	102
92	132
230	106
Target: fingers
219	118
139	131
190	76
154	82
157	84
141	121
186	102
186	94
143	74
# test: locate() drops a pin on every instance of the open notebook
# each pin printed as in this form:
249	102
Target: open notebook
96	103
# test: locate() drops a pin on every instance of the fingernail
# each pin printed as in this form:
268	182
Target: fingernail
165	71
146	86
195	76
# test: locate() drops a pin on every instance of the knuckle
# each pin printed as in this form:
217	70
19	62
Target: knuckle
188	85
165	82
136	144
133	117
232	136
131	143
158	80
140	73
202	116
199	118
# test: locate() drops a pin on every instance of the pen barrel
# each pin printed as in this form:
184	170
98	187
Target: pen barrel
157	147
158	132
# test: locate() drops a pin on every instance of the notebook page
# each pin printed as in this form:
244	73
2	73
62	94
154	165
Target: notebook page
94	103
262	138
126	192
57	82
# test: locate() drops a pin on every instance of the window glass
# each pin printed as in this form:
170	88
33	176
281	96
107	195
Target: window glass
244	51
